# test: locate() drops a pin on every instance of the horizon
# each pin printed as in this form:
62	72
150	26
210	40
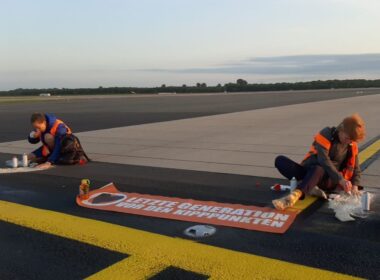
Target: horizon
222	85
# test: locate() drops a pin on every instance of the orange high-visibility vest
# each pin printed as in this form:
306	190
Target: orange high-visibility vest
348	171
53	131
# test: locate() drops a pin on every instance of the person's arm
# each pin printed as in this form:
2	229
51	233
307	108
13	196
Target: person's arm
325	161
357	173
61	131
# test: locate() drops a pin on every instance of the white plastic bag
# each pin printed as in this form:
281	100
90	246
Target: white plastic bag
346	207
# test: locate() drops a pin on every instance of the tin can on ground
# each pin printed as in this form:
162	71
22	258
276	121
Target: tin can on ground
366	201
84	189
14	162
25	161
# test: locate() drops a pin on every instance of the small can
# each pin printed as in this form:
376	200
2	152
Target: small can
14	162
84	189
25	160
366	201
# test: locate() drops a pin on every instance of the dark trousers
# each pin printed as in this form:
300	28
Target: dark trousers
313	176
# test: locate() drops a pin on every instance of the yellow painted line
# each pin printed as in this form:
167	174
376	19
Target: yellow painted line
303	204
369	151
132	268
150	252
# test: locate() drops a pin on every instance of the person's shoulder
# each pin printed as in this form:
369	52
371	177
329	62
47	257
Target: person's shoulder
50	118
327	132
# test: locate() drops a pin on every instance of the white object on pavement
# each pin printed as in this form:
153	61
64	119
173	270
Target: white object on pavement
25	161
366	201
14	162
19	170
282	188
293	184
346	206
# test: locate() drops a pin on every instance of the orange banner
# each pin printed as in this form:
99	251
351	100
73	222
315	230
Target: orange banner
266	219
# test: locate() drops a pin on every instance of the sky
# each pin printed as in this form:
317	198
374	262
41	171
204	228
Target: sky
92	43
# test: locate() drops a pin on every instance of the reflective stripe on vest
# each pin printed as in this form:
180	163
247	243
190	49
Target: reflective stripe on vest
53	131
348	171
321	140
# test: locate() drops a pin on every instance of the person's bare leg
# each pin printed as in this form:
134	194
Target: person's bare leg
49	141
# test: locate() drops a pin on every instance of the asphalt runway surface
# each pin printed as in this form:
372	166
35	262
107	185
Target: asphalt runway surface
92	114
315	239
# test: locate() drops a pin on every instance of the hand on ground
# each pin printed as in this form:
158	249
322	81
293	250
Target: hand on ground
355	190
45	165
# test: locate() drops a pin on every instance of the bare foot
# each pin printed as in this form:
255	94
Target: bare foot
318	192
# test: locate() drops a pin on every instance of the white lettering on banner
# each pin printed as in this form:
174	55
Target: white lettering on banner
226	210
184	205
239	212
149	201
267	215
257	213
282	217
158	209
234	218
266	218
215	209
266	222
277	224
130	205
238	215
245	220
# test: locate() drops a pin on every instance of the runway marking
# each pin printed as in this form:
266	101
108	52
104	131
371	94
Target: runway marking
369	151
150	253
303	204
134	266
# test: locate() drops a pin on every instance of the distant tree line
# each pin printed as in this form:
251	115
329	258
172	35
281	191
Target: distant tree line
239	86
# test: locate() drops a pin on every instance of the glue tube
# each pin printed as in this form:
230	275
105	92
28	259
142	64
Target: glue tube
84	189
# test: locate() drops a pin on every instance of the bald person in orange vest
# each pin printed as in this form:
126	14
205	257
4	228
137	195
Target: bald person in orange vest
331	163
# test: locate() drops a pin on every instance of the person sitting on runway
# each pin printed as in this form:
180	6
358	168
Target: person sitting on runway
331	162
59	145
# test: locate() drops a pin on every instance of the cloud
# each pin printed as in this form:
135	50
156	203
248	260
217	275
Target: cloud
294	65
257	69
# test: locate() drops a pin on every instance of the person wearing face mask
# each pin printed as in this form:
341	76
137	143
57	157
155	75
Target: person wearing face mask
331	163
